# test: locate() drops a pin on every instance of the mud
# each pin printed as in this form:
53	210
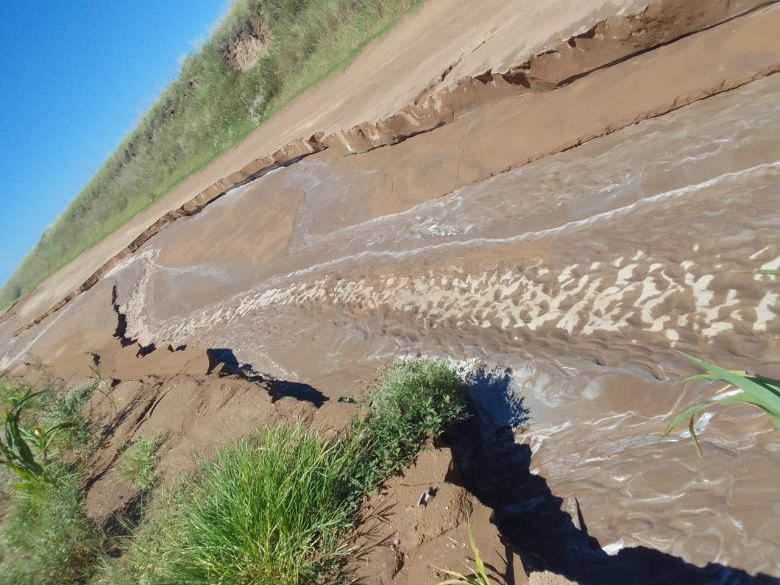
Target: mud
404	538
577	236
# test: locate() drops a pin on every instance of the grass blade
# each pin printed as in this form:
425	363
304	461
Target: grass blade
477	558
762	395
694	438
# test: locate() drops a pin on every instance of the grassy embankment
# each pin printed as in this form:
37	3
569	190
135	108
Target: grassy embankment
45	537
274	508
209	108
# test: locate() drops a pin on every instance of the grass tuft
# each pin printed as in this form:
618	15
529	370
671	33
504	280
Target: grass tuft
267	510
415	401
138	464
45	537
67	410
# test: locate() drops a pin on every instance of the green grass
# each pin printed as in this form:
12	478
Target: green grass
67	409
45	537
477	576
277	508
207	110
268	510
138	464
38	425
416	400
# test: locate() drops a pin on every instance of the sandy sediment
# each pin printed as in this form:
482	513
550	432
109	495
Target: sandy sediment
418	524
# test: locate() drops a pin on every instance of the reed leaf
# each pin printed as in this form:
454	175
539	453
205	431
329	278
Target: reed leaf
758	391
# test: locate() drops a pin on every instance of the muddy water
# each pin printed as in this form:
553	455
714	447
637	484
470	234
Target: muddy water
643	238
581	272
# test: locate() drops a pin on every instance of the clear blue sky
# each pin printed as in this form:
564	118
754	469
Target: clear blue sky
75	77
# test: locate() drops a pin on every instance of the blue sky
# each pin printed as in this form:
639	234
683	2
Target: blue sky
75	77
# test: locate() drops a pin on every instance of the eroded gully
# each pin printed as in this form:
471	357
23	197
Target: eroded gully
583	272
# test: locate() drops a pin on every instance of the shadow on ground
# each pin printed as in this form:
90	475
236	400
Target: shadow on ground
497	471
223	362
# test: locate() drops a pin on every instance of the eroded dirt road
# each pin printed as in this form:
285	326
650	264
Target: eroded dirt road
582	271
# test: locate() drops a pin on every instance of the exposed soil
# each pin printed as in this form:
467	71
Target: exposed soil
418	523
574	203
191	414
244	49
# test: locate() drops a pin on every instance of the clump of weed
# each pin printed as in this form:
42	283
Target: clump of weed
25	450
138	464
38	426
267	510
46	538
67	410
415	401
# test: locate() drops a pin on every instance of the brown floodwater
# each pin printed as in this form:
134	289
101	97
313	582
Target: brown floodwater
582	273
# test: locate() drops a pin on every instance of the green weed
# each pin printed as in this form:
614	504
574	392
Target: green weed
45	411
45	537
137	465
66	411
758	391
268	510
415	401
478	575
102	385
25	450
